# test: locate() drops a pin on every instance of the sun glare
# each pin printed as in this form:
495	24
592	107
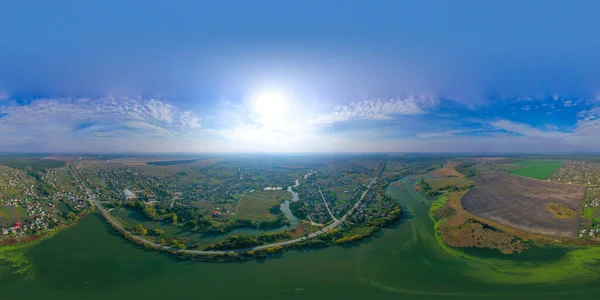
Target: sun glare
270	107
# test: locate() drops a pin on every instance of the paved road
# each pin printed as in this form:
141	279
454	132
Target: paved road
328	227
142	240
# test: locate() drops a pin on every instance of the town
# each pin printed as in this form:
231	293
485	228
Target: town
209	198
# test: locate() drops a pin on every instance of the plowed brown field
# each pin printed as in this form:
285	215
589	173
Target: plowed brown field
520	203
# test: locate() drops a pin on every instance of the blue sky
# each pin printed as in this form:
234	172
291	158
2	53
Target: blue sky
305	76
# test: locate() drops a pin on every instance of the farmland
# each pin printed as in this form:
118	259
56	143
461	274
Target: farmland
520	203
537	169
458	228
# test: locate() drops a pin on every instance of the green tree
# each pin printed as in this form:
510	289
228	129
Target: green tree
72	217
139	229
150	213
157	232
174	218
190	224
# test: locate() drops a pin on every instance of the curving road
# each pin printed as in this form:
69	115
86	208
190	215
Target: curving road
321	231
144	241
327	205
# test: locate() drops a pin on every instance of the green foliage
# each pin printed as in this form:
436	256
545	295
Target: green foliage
150	213
466	168
236	242
312	243
139	229
157	232
279	222
246	241
392	216
275	209
31	163
72	217
298	209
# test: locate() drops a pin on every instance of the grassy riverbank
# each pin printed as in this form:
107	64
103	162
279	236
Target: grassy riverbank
578	264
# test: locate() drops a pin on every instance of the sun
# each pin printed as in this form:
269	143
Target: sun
270	107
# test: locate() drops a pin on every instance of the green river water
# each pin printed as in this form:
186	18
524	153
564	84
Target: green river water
405	261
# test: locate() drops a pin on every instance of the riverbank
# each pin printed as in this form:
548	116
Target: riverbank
251	247
15	242
404	261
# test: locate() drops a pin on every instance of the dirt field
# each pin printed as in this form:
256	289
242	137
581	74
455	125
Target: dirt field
449	170
520	203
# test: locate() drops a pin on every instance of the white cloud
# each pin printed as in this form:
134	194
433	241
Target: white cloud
161	111
378	109
76	120
527	130
188	120
439	134
588	123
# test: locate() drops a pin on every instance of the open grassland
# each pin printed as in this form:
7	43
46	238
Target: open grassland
342	193
256	206
10	214
449	170
520	203
370	164
437	183
64	182
560	211
537	169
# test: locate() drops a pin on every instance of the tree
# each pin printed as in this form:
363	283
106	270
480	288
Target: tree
150	213
158	232
139	229
174	218
72	217
190	224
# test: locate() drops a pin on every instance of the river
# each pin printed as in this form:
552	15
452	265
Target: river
285	206
89	261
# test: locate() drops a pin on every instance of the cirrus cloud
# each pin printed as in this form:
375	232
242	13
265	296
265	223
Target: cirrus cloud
84	119
378	109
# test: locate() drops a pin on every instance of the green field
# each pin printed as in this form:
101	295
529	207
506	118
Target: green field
9	214
437	183
537	169
255	206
